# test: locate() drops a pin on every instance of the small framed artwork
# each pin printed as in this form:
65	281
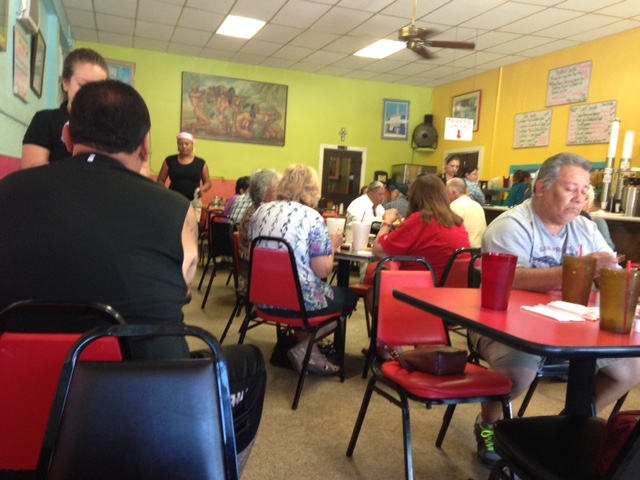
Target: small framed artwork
4	24
467	106
395	120
38	51
123	71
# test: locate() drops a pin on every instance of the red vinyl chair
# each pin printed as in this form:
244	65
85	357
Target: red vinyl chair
220	249
397	324
274	282
31	358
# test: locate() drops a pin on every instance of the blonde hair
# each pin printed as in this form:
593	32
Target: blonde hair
300	184
591	195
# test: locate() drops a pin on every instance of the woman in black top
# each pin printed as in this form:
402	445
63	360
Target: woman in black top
189	174
42	142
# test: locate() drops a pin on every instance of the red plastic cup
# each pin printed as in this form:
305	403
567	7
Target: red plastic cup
498	270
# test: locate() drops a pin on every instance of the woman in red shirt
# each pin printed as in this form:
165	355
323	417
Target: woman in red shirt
431	229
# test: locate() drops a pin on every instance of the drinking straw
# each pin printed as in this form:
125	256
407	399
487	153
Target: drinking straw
627	293
362	219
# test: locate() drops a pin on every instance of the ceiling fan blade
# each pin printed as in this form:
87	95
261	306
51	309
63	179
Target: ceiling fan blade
443	44
420	50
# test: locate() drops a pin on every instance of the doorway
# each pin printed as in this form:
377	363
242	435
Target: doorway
341	171
468	156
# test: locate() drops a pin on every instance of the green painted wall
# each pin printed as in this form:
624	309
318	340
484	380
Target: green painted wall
318	107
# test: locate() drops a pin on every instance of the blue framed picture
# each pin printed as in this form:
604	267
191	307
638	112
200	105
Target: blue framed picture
123	71
395	120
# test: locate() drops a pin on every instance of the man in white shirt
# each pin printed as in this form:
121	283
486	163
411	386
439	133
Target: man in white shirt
368	207
471	212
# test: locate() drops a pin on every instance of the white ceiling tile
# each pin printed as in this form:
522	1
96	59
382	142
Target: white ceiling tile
340	20
216	54
548	48
586	5
542	20
289	52
188	36
155	12
476	59
334	71
458	12
348	44
492	38
413	68
383	65
296	13
224	42
506	60
576	26
218	6
200	20
174	2
110	23
277	63
115	39
624	9
611	29
361	75
411	81
258	9
313	39
277	33
154	31
520	44
150	44
120	8
323	57
82	4
366	5
81	18
502	15
379	26
260	48
404	8
387	78
306	67
247	58
352	62
85	34
180	49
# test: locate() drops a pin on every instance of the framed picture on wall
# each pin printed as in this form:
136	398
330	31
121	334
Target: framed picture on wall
38	51
4	24
123	71
395	120
467	106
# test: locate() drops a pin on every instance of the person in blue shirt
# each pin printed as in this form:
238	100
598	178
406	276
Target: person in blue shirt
521	189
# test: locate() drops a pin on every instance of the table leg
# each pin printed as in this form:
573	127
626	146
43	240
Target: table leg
581	387
343	273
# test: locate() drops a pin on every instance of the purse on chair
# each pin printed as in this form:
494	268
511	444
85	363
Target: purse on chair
431	359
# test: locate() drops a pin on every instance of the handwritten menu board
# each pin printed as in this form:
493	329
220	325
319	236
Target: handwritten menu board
591	123
532	129
569	84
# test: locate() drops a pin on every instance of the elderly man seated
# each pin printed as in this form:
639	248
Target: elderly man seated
471	212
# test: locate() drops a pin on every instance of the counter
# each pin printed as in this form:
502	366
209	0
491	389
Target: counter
625	231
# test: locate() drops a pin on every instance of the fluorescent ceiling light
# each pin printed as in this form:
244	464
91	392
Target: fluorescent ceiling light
240	27
380	49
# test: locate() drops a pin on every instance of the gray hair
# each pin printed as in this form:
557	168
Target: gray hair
457	185
550	170
591	195
261	182
374	185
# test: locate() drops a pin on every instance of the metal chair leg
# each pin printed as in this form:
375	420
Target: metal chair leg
361	414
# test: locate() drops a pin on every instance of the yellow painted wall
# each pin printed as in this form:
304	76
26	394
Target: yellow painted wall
522	88
318	107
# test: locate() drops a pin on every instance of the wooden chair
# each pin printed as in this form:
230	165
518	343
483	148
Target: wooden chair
34	340
397	324
141	419
274	283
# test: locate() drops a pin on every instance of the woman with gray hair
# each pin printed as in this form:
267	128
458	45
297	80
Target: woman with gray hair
589	208
262	189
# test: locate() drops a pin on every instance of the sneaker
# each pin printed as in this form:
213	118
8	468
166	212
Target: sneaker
484	437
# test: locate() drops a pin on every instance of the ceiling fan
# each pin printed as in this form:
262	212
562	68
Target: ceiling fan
416	38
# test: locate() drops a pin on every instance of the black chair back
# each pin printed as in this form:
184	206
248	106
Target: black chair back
141	419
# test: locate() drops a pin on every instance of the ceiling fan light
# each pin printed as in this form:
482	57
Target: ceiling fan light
380	49
240	27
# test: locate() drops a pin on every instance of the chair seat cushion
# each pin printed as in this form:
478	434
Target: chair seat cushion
360	289
295	321
474	382
551	448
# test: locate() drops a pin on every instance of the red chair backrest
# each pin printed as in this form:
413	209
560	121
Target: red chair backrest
400	324
273	281
30	366
459	274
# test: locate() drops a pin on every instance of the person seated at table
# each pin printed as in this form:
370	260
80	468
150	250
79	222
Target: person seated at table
293	217
471	212
262	188
521	188
470	176
540	231
115	237
398	198
592	212
432	230
242	187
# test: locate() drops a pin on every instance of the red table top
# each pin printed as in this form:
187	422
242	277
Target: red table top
522	329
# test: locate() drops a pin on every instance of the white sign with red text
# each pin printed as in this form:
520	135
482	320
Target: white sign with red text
458	129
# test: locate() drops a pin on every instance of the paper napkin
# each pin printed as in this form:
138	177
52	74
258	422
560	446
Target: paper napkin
565	311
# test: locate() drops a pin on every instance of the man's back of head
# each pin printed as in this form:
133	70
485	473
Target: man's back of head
109	116
456	187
